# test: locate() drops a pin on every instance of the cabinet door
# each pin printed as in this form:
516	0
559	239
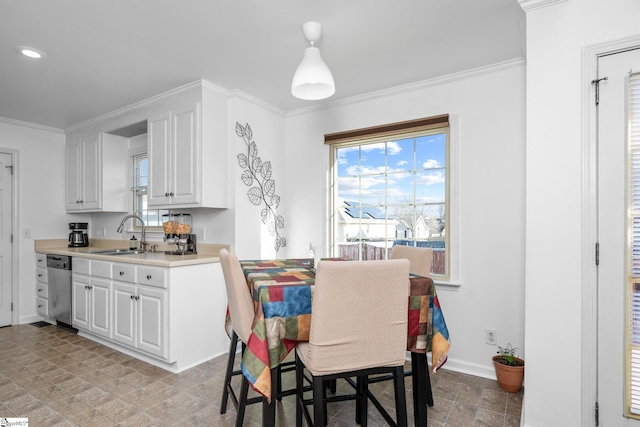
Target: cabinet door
84	174
152	318
81	302
159	171
185	163
73	177
91	172
124	319
101	307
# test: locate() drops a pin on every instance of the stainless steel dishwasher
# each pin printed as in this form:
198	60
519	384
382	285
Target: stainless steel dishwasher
59	277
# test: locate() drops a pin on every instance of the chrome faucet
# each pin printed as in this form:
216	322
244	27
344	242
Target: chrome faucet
143	241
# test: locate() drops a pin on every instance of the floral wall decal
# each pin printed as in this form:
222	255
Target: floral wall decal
257	176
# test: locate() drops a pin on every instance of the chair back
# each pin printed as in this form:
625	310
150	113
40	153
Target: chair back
238	294
419	258
359	315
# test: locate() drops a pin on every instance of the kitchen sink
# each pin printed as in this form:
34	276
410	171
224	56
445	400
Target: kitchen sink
117	252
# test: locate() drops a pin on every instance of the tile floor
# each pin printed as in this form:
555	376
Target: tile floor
54	377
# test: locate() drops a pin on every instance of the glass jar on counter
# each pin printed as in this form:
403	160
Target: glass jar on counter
176	223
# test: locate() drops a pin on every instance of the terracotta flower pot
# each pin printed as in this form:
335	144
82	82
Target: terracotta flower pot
509	377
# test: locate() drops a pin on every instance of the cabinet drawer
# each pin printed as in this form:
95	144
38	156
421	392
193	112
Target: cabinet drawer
42	290
41	275
124	272
41	260
152	276
101	269
42	306
81	266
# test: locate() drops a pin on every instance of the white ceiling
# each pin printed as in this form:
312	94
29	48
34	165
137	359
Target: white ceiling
106	54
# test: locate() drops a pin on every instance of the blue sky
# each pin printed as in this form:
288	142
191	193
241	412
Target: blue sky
385	172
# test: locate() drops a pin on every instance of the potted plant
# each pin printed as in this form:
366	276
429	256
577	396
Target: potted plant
509	369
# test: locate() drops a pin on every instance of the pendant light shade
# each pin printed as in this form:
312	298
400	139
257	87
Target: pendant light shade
312	79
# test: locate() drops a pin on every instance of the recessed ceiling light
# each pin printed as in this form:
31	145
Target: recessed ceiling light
30	52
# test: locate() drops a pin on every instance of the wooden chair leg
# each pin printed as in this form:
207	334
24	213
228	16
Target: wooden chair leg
362	401
429	392
319	415
299	392
229	372
401	399
242	404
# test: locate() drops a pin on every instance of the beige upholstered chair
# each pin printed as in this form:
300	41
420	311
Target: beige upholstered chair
241	313
358	328
419	258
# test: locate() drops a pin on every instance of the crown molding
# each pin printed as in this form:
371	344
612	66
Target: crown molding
195	85
31	125
411	87
529	5
256	101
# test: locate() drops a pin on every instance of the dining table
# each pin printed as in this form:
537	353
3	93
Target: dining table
282	292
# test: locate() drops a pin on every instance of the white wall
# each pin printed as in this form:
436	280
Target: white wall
41	180
491	107
252	239
556	37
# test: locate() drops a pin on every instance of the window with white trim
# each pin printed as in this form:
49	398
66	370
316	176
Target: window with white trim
140	173
391	186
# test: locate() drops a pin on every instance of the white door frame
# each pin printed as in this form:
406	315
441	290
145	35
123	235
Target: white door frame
590	56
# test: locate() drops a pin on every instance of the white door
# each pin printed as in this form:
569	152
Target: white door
6	227
611	236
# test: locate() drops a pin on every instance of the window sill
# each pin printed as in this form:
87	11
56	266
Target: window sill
448	285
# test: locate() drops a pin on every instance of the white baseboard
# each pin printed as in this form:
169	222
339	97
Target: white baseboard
34	318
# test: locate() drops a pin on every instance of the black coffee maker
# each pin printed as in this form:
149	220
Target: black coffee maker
78	237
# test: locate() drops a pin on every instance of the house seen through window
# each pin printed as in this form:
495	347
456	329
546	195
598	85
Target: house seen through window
390	187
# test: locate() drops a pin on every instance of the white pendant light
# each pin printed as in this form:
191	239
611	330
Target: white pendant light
312	79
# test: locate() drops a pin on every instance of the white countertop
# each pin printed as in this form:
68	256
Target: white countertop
207	253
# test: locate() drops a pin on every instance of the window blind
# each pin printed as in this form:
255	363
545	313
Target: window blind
388	130
139	173
633	278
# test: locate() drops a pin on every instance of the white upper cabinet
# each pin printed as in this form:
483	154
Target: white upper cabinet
187	152
96	173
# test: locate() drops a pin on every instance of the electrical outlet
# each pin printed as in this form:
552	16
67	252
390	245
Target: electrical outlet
201	234
491	336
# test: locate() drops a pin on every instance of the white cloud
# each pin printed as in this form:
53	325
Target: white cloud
431	163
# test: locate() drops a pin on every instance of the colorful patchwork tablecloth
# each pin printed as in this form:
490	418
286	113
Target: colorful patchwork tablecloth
283	292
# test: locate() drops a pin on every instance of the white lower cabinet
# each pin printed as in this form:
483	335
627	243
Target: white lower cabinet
42	286
140	318
91	308
172	317
92	305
